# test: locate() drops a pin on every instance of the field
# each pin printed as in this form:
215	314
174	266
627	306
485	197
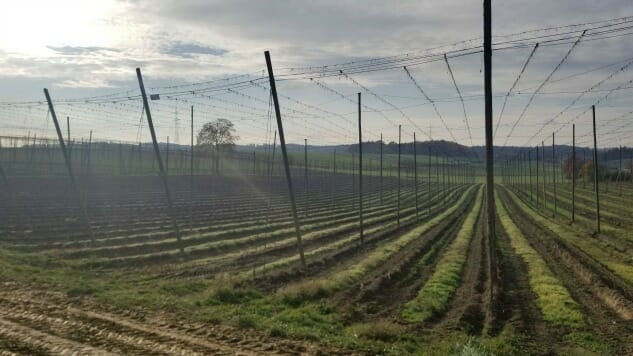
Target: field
424	280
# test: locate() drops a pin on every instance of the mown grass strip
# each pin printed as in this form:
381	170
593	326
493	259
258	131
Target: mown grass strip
433	298
341	279
553	299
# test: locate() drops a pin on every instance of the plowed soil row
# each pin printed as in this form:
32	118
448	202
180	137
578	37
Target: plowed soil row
35	322
608	311
382	292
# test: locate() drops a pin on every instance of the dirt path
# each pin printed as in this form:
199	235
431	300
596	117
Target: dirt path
37	322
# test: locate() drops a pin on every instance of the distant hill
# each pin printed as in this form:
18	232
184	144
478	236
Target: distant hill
441	147
455	150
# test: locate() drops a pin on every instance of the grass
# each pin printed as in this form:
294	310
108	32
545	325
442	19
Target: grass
590	342
382	330
553	299
433	298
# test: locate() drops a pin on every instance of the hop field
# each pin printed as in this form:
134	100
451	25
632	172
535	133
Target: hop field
433	283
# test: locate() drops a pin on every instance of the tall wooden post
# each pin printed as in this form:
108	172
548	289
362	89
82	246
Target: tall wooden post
585	178
620	172
399	143
360	172
161	168
167	157
191	176
544	175
381	169
595	169
429	179
444	188
529	152
554	174
284	153
305	173
333	184
415	174
488	121
631	165
71	175
70	156
573	172
88	154
538	188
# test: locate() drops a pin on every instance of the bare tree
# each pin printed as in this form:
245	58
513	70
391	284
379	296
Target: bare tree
217	136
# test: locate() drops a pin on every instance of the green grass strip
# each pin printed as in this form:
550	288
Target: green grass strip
552	297
433	298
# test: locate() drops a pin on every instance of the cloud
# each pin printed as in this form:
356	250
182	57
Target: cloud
188	50
80	50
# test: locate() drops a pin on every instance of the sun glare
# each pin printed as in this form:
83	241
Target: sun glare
28	26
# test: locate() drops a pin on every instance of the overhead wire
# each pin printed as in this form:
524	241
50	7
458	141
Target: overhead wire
461	99
516	81
549	76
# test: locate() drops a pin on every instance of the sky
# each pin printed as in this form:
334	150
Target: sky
81	49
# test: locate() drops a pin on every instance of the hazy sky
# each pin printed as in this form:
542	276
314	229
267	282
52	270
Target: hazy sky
84	48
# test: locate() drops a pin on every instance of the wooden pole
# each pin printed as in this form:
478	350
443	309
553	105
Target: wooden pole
381	169
544	174
333	175
529	152
284	153
88	154
71	175
490	202
573	172
70	157
163	174
538	201
415	174
191	176
595	169
429	179
360	172
167	157
399	143
554	174
619	172
305	171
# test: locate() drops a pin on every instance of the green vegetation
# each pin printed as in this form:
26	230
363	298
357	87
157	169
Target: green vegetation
590	342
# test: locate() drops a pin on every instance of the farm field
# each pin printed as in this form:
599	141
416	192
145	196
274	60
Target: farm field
432	283
316	178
